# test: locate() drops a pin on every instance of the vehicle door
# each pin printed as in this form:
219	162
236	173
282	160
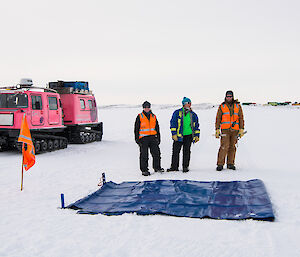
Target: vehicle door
83	116
54	116
93	110
37	113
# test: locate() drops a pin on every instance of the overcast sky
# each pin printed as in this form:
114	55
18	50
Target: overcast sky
156	50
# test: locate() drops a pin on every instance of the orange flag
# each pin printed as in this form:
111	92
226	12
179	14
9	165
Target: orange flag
28	150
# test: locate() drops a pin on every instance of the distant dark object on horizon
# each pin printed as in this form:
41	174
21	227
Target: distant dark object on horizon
274	103
249	103
279	103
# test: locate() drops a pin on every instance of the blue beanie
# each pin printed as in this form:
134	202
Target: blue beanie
186	100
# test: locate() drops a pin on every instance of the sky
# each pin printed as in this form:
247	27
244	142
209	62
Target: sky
160	51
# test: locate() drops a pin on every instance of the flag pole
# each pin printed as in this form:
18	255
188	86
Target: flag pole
28	157
22	171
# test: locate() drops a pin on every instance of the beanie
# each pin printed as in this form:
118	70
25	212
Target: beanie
146	104
186	100
229	93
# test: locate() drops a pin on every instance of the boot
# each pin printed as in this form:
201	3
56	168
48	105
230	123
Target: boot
231	166
219	167
159	170
145	173
172	169
185	170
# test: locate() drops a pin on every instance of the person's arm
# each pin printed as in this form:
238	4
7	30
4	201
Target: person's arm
241	118
196	121
137	129
158	131
218	118
174	123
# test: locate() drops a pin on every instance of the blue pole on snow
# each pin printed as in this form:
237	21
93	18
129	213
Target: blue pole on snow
62	199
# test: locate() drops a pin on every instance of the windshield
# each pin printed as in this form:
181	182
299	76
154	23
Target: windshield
13	100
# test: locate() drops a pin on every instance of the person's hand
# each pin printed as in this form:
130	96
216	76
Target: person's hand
196	139
158	140
218	133
137	141
175	138
241	133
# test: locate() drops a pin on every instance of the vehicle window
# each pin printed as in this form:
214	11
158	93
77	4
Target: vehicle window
82	105
13	101
36	102
90	104
53	103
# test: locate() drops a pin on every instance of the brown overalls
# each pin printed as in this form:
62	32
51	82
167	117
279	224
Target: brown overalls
228	136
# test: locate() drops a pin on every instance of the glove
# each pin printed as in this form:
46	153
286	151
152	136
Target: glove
241	133
196	139
175	138
158	140
137	141
218	133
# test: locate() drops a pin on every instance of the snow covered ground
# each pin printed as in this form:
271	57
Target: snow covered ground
32	224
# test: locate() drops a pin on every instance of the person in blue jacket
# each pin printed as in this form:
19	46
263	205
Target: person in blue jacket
185	130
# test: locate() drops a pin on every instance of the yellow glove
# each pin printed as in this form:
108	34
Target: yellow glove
218	133
175	138
241	132
196	139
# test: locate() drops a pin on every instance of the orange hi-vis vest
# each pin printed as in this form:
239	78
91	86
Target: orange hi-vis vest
147	127
230	121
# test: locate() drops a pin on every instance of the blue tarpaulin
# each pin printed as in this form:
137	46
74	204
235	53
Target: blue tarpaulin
232	200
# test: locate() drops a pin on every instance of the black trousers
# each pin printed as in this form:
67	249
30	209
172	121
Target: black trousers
146	143
187	142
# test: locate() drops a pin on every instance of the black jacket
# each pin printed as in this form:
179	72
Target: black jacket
138	124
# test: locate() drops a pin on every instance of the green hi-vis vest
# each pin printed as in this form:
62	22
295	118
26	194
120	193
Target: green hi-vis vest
187	126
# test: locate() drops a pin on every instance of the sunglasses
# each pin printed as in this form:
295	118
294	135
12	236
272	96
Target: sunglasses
229	96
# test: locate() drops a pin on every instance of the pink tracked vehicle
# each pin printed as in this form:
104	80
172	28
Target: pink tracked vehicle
62	113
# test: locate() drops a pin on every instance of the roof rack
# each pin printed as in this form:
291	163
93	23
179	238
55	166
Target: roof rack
18	87
70	87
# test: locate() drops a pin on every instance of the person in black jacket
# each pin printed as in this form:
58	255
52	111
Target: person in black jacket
147	136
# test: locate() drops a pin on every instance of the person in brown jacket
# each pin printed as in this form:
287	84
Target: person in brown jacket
230	120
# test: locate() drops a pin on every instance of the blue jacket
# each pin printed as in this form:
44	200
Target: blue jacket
176	124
